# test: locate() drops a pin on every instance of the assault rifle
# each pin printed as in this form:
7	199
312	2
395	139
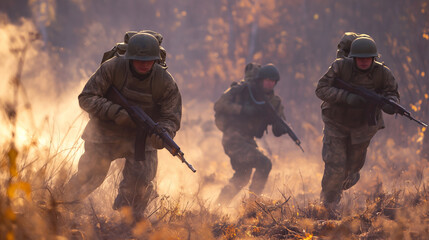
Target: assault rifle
274	117
145	123
374	101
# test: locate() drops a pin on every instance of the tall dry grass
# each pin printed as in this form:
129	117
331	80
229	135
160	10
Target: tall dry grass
389	202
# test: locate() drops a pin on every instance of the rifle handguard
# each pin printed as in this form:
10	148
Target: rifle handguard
143	121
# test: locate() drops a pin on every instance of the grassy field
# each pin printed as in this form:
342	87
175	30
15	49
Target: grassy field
32	176
40	129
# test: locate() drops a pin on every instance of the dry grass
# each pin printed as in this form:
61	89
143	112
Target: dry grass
32	175
28	211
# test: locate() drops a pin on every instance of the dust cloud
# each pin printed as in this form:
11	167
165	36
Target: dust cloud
73	38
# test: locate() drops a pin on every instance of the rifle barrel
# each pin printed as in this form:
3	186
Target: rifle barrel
299	145
417	121
182	157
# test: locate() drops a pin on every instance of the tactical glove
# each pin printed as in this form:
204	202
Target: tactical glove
387	108
249	109
355	100
278	129
113	111
123	119
156	141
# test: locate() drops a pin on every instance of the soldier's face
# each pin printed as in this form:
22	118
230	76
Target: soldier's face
364	63
142	67
268	84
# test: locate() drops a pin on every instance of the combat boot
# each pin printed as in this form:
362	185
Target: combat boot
227	194
331	202
351	180
138	202
332	211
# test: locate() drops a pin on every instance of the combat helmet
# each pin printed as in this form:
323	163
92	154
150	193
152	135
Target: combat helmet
143	47
269	71
363	47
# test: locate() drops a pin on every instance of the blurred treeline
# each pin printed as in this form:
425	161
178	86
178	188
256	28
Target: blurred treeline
209	42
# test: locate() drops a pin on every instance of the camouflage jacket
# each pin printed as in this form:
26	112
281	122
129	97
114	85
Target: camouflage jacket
157	94
342	120
229	117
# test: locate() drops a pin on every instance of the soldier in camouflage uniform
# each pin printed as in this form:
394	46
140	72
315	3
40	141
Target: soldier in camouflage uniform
346	132
111	134
240	119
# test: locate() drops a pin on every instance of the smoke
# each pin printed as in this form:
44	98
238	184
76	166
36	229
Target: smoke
73	39
45	120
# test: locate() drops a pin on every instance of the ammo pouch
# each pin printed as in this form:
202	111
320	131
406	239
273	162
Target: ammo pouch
346	115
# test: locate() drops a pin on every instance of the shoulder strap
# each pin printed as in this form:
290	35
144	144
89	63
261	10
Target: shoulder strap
346	70
157	83
240	86
378	75
237	88
120	74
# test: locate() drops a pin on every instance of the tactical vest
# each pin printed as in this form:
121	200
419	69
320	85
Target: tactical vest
248	126
148	100
356	117
103	131
347	72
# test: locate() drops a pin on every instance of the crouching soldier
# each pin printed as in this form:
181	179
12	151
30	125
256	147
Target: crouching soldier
111	133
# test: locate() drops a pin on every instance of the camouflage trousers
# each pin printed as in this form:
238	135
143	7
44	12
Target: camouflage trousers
136	186
244	155
343	162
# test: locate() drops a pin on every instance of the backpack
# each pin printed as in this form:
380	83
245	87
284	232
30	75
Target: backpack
343	48
250	73
121	48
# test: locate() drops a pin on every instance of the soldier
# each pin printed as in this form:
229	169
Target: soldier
111	134
240	118
347	133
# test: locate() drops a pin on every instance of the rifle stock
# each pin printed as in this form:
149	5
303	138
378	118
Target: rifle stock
145	122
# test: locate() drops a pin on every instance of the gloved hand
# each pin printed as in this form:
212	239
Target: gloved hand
113	111
123	119
389	109
250	109
156	141
355	100
278	129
